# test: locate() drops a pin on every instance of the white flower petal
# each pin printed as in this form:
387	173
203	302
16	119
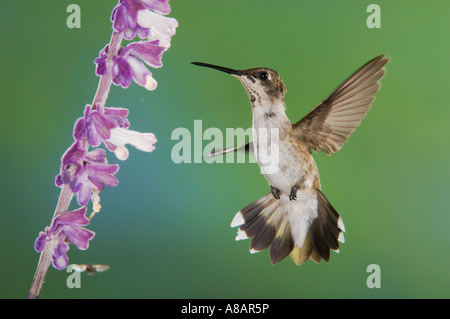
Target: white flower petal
142	141
121	152
95	197
149	19
164	39
150	83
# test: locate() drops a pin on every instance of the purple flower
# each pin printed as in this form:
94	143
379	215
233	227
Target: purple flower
101	62
66	228
144	18
83	172
125	16
74	155
159	6
148	51
94	175
97	123
110	125
92	172
129	63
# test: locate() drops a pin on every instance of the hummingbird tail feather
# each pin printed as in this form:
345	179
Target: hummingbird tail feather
304	229
323	235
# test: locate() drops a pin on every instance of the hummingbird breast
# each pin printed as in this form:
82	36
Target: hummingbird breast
296	166
284	160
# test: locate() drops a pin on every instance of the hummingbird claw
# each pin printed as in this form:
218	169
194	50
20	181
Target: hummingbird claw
293	194
275	192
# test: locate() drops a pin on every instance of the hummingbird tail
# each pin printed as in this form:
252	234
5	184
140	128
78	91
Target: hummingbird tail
305	228
323	235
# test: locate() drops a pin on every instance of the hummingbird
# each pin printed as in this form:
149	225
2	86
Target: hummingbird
90	269
295	218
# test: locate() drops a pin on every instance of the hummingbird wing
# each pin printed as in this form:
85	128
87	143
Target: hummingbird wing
80	267
330	123
100	268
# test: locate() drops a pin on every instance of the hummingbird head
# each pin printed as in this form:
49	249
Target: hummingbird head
261	84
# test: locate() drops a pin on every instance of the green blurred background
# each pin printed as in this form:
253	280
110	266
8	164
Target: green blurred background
164	230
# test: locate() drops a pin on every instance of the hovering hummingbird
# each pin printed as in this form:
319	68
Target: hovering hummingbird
91	268
295	218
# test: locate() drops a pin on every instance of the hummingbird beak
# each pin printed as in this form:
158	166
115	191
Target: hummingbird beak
220	68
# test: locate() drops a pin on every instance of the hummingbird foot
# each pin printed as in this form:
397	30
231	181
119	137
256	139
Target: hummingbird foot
275	192
293	194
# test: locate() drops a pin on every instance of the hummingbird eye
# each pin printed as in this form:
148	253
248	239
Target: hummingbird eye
262	75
